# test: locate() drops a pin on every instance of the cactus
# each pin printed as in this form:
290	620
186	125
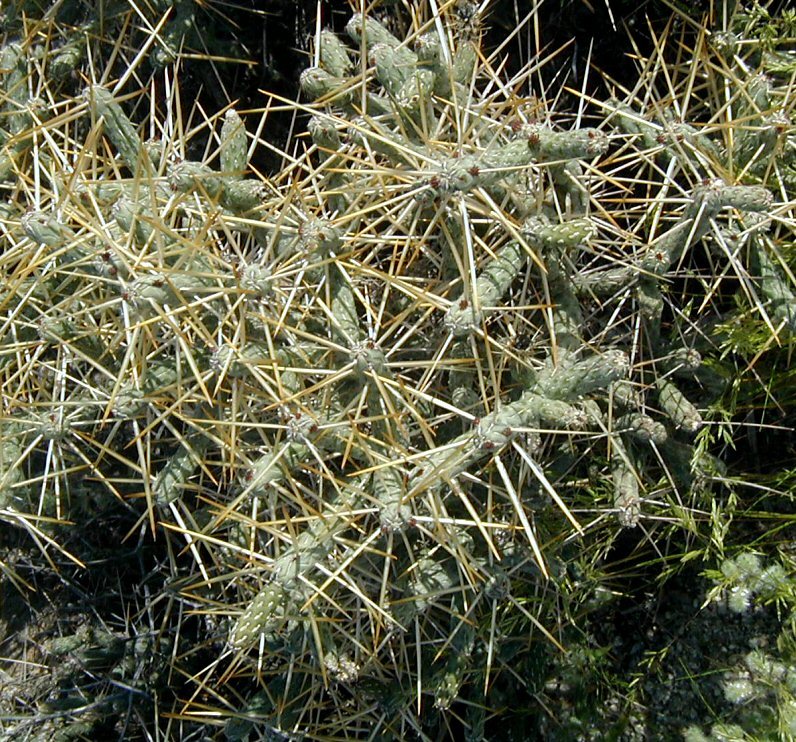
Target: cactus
380	393
118	126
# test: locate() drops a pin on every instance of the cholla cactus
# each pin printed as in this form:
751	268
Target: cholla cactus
360	393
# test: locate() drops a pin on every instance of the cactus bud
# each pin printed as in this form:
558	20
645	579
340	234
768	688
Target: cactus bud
324	133
319	236
317	83
234	144
242	195
188	176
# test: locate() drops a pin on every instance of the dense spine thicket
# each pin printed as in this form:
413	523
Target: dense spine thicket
371	402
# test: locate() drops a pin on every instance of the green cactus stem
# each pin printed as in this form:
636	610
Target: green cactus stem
773	286
119	128
707	200
234	144
493	431
641	427
171	481
679	410
627	499
465	316
266	614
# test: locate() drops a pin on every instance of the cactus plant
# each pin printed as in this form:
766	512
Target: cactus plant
359	398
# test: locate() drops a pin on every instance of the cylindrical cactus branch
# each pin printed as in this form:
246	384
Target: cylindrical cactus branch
626	478
119	128
567	382
170	482
344	313
158	378
635	124
677	407
308	439
76	337
67	58
394	66
545	400
641	427
430	56
334	55
131	215
286	591
173	36
234	155
12	474
706	201
667	140
373	135
627	498
389	491
14	87
465	314
689	142
368	32
778	292
548	145
681	362
232	191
